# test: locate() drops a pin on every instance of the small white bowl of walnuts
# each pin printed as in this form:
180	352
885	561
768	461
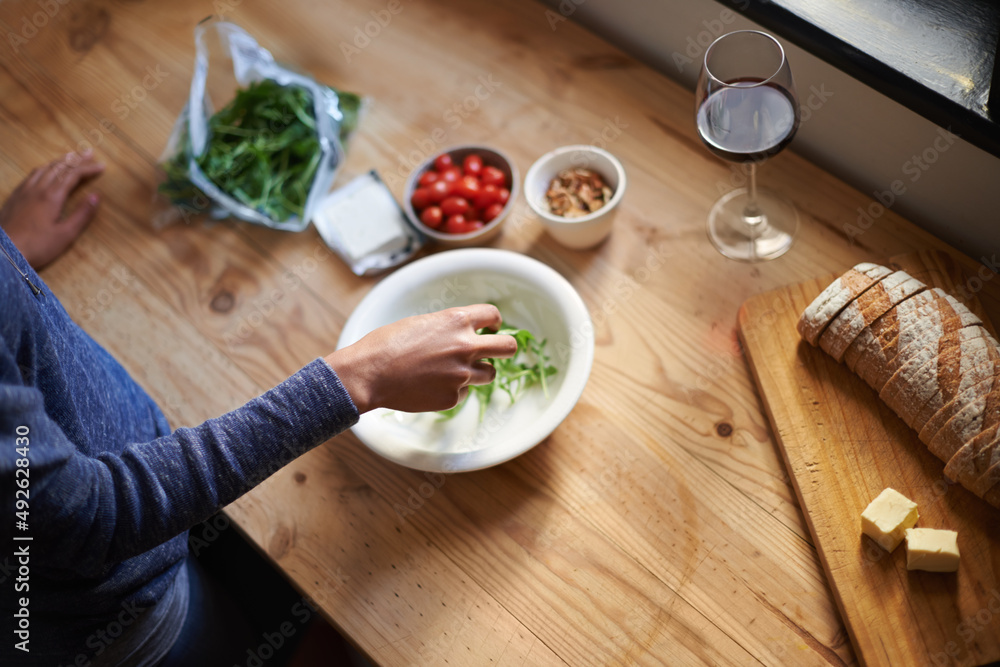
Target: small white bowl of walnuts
575	190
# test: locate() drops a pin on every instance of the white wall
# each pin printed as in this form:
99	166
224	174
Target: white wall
858	134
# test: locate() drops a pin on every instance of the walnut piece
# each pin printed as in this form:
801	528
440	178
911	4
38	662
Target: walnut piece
577	192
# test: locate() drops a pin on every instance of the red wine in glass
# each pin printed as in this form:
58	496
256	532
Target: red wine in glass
749	121
746	111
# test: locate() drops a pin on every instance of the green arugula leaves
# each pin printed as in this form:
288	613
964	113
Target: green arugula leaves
263	149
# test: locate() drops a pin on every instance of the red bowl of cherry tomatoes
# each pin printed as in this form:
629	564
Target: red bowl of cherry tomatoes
461	196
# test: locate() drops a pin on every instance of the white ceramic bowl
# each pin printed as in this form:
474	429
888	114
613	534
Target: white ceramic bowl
588	230
530	295
491	157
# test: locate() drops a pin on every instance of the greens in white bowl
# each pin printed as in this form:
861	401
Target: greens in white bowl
531	296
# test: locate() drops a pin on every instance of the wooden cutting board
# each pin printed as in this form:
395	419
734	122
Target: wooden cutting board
843	446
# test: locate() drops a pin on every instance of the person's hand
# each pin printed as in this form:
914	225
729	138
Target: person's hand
33	214
423	363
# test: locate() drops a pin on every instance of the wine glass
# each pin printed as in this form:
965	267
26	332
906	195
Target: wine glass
746	110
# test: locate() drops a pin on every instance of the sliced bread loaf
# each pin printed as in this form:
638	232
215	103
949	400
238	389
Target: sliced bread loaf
929	357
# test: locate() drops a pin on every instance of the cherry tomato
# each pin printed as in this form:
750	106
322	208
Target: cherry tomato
504	196
428	177
443	161
455	206
493	176
438	190
421	198
457	224
472	165
473	214
432	217
491	212
488	194
451	174
476	224
468	187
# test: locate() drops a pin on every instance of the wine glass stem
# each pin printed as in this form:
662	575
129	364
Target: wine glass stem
751	212
752	215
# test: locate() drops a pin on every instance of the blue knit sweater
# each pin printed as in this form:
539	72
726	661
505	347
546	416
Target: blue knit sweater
112	492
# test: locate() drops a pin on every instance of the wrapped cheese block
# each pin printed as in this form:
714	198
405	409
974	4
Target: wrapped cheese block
929	358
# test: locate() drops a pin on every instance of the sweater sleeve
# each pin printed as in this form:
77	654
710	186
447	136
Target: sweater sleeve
85	512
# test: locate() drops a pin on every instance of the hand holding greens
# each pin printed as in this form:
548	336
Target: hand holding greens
528	367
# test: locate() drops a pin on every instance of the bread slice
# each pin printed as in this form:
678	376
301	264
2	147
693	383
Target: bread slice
883	333
969	318
907	381
842	291
920	329
977	372
980	472
964	350
961	420
867	347
868	307
988	485
976	454
913	384
971	463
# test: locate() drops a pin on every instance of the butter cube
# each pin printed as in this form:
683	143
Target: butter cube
886	518
931	550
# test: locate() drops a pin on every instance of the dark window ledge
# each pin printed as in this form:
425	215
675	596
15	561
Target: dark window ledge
935	57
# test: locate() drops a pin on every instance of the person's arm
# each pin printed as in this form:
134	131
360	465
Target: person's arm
86	511
89	511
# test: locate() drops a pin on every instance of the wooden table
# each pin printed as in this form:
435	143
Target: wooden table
657	524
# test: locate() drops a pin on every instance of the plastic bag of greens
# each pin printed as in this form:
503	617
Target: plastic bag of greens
270	153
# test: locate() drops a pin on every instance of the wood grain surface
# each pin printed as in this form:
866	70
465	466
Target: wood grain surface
656	525
843	446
